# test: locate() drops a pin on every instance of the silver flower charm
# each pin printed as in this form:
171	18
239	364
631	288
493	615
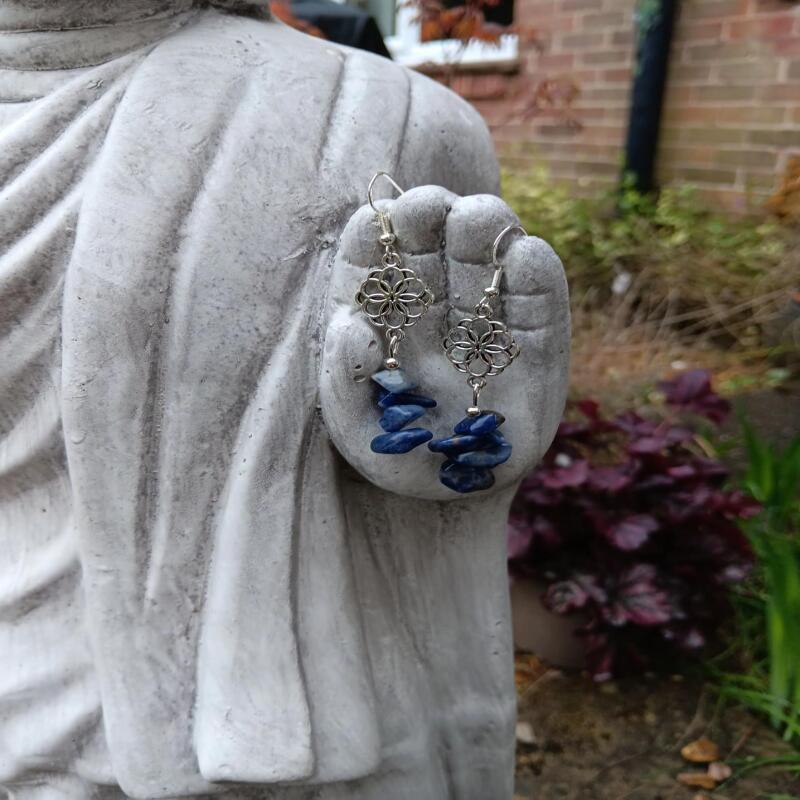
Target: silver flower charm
393	297
480	347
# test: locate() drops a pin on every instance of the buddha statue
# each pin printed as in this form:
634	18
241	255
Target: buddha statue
209	584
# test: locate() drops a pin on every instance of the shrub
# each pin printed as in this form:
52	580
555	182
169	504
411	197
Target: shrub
668	248
627	521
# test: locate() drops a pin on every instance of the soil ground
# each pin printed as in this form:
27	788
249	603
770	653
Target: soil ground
622	741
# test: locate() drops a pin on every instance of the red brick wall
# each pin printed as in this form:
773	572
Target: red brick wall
732	109
731	113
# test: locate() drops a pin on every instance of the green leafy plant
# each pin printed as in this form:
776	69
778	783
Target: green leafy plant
702	268
769	610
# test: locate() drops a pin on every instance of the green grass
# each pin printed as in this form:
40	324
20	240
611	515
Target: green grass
767	639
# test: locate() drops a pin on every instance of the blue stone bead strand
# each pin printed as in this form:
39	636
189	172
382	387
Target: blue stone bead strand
400	407
472	452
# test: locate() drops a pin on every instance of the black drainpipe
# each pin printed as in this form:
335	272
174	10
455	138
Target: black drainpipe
654	24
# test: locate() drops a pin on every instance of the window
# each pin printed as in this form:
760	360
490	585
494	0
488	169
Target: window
395	18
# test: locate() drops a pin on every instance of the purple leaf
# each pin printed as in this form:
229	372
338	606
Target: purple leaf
735	573
565	596
678	435
686	637
631	532
639	600
653	482
592	587
610	479
682	471
740	505
634	424
572	430
575	593
600	655
647	444
590	409
539	496
561	477
592	505
691	391
686	387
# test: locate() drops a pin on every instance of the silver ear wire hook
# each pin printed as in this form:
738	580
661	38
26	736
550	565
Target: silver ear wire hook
383	217
494	288
372	183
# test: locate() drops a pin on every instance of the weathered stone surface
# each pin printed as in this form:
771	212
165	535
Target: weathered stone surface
203	593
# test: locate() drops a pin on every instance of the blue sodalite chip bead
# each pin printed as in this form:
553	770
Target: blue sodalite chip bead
396	417
400	407
488	422
386	399
471	454
400	441
465	479
455	444
491	457
394	380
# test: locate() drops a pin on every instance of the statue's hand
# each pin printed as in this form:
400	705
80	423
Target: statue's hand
447	240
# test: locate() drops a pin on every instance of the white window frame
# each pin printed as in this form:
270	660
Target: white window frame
408	49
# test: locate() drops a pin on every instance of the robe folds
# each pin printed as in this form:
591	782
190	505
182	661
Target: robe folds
168	222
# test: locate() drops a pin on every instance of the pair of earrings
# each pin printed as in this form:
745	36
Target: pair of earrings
394	298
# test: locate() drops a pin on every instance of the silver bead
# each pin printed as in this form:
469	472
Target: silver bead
386	239
473	411
391	363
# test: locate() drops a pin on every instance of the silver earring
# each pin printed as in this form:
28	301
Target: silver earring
394	298
480	347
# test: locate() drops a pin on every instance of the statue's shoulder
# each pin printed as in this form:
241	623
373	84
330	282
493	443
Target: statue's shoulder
337	91
441	130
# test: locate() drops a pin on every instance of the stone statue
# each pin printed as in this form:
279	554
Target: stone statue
209	585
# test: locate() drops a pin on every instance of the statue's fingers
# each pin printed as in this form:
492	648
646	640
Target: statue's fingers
418	220
359	245
534	292
473	224
359	251
533	300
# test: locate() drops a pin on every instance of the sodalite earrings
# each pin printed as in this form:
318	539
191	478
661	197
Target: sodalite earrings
481	347
394	298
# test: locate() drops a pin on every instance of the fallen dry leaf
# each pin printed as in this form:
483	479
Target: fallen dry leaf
697	780
719	771
701	796
527	670
701	751
525	733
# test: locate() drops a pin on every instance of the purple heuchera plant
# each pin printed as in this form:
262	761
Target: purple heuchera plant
627	523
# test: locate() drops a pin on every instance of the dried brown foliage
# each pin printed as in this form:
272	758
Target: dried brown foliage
467	23
282	10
